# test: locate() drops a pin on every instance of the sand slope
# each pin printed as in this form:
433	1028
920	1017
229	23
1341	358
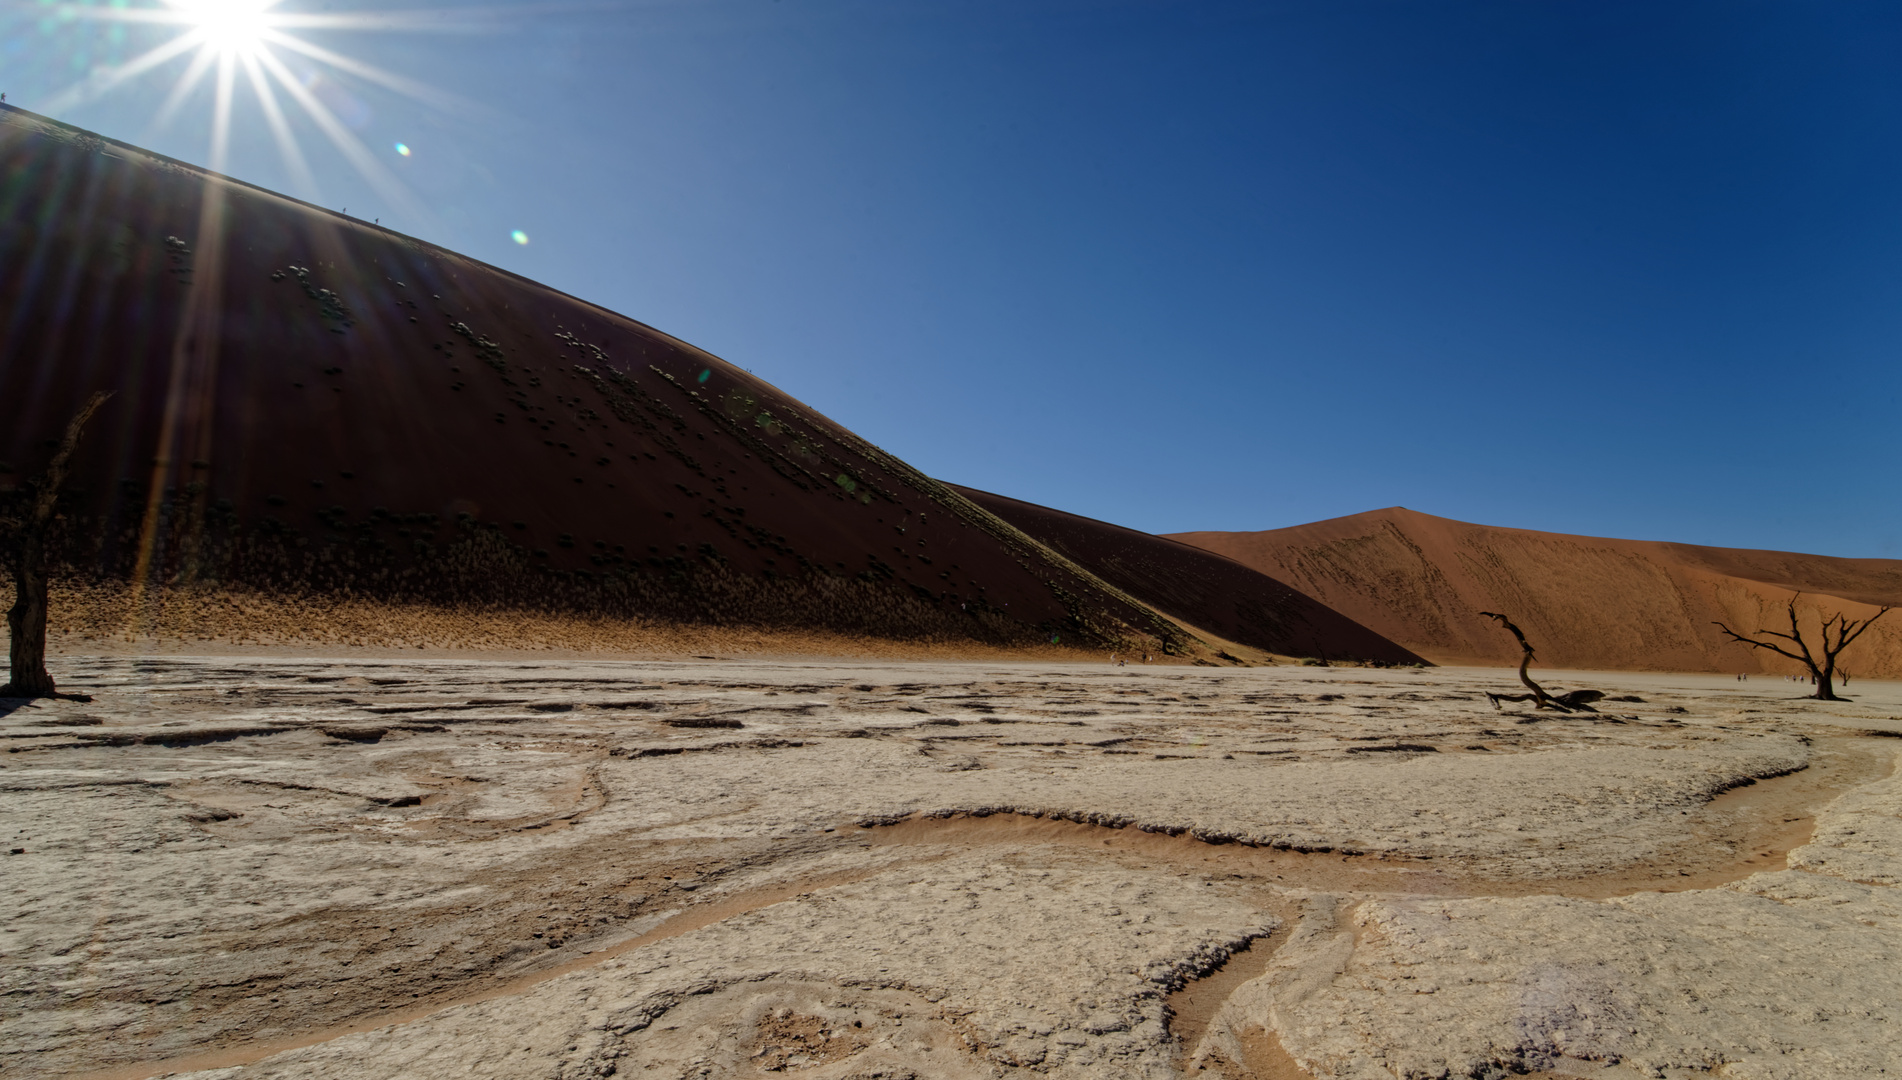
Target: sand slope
1197	587
309	405
1584	602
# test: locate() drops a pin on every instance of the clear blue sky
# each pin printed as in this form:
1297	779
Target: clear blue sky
1628	269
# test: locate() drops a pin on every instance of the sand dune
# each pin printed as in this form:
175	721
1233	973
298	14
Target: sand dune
309	406
1197	587
1585	602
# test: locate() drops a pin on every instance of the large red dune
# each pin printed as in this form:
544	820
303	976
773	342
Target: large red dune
304	404
1583	602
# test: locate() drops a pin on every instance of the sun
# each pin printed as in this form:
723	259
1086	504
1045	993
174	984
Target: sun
234	27
239	44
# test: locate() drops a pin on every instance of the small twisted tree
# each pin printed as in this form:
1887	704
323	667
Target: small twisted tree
23	528
1823	672
1571	701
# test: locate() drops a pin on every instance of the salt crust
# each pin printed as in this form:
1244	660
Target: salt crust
988	966
198	805
1792	975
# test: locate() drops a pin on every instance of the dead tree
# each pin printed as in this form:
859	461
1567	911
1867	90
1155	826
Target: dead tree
1824	673
1573	701
24	531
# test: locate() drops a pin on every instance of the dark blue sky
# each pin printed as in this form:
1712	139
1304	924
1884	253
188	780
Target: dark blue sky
1607	268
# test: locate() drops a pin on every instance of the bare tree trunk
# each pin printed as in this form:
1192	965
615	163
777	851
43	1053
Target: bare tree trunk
1539	697
26	620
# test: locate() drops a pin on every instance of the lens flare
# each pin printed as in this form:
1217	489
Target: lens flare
402	149
519	236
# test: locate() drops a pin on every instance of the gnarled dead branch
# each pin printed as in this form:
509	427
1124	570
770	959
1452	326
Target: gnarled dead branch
1571	701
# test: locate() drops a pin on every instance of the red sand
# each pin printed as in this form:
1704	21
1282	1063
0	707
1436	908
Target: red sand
1584	602
309	406
1199	588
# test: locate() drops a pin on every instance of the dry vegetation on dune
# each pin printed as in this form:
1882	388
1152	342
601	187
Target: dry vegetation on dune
91	617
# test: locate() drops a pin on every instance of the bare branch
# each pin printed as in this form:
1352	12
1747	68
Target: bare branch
55	477
1844	643
1507	623
1755	644
1796	634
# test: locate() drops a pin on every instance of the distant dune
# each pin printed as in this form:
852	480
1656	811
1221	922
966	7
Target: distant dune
1197	587
311	412
1584	602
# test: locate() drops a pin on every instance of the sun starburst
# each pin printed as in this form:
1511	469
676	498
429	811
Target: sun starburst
228	26
254	44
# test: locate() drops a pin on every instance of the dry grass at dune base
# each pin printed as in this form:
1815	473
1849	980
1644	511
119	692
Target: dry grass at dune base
106	619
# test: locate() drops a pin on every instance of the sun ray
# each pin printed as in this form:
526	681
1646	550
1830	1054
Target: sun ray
486	20
368	72
104	79
346	143
430	22
109	14
221	113
287	147
187	82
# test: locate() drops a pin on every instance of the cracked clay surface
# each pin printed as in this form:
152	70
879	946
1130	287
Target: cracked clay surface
266	867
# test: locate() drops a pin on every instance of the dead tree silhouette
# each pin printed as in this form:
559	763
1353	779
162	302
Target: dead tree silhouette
1572	701
23	536
1847	630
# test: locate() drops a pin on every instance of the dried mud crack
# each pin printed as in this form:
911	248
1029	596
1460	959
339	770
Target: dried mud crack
915	869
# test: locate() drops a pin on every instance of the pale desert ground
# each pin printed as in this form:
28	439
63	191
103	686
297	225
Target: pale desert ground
336	867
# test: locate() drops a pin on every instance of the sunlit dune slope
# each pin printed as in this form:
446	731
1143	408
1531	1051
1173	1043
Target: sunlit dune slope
1584	602
1198	587
306	404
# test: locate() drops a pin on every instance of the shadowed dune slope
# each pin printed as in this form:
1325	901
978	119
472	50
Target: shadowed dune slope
307	404
1200	588
1584	602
